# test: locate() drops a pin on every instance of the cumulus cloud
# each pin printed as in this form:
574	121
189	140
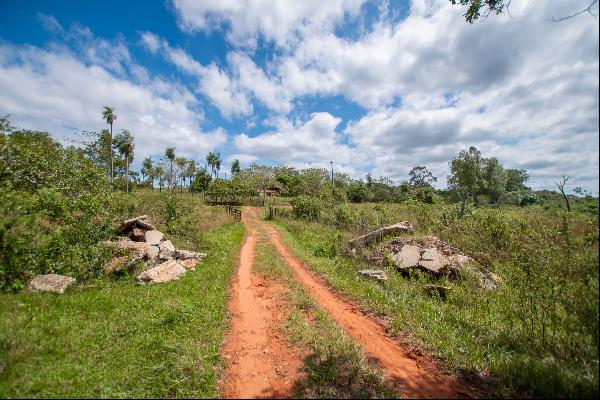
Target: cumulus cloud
434	84
58	91
282	22
300	143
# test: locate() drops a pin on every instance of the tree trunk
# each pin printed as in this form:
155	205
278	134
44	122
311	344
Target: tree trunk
127	174
112	166
566	200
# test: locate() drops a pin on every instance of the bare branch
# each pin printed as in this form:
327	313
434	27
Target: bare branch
588	9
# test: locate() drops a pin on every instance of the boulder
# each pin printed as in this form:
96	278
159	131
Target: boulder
167	271
137	235
154	237
408	257
365	240
141	248
374	273
166	250
50	283
131	223
186	254
189	263
153	252
434	261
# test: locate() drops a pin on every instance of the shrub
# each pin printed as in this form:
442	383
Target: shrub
54	209
343	216
306	207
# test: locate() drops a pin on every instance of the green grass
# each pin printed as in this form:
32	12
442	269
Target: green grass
336	366
120	339
473	330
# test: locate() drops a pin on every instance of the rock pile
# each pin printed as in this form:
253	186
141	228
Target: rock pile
141	241
437	258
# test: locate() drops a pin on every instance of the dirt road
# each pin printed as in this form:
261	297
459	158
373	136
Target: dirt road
260	362
413	375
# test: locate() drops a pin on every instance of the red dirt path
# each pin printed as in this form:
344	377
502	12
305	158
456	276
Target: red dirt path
415	375
260	362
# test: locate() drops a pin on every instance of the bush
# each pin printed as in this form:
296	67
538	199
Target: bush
343	216
306	207
54	209
425	194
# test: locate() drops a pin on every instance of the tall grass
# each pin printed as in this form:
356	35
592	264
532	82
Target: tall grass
537	334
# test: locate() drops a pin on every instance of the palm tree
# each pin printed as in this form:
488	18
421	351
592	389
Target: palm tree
181	165
146	168
170	154
109	116
190	171
235	167
210	160
125	145
158	172
214	161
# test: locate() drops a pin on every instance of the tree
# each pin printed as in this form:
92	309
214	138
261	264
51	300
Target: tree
158	172
214	161
494	179
420	176
201	180
5	126
515	179
475	8
561	187
465	175
125	146
109	116
170	155
235	167
483	8
190	171
181	163
146	168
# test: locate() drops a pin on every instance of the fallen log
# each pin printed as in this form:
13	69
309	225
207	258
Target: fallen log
365	240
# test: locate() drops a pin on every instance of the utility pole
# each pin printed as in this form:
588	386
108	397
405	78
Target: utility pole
332	191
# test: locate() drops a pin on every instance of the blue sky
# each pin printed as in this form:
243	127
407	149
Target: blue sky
375	86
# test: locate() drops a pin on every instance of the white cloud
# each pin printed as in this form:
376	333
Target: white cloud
214	83
301	143
54	90
536	82
283	22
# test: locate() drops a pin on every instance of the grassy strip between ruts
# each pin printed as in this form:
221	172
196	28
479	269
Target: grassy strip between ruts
336	366
466	330
119	339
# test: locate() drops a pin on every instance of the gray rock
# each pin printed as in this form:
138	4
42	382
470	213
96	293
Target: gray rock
432	260
186	254
141	248
153	252
154	237
365	240
131	223
50	283
166	250
167	271
408	257
374	273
